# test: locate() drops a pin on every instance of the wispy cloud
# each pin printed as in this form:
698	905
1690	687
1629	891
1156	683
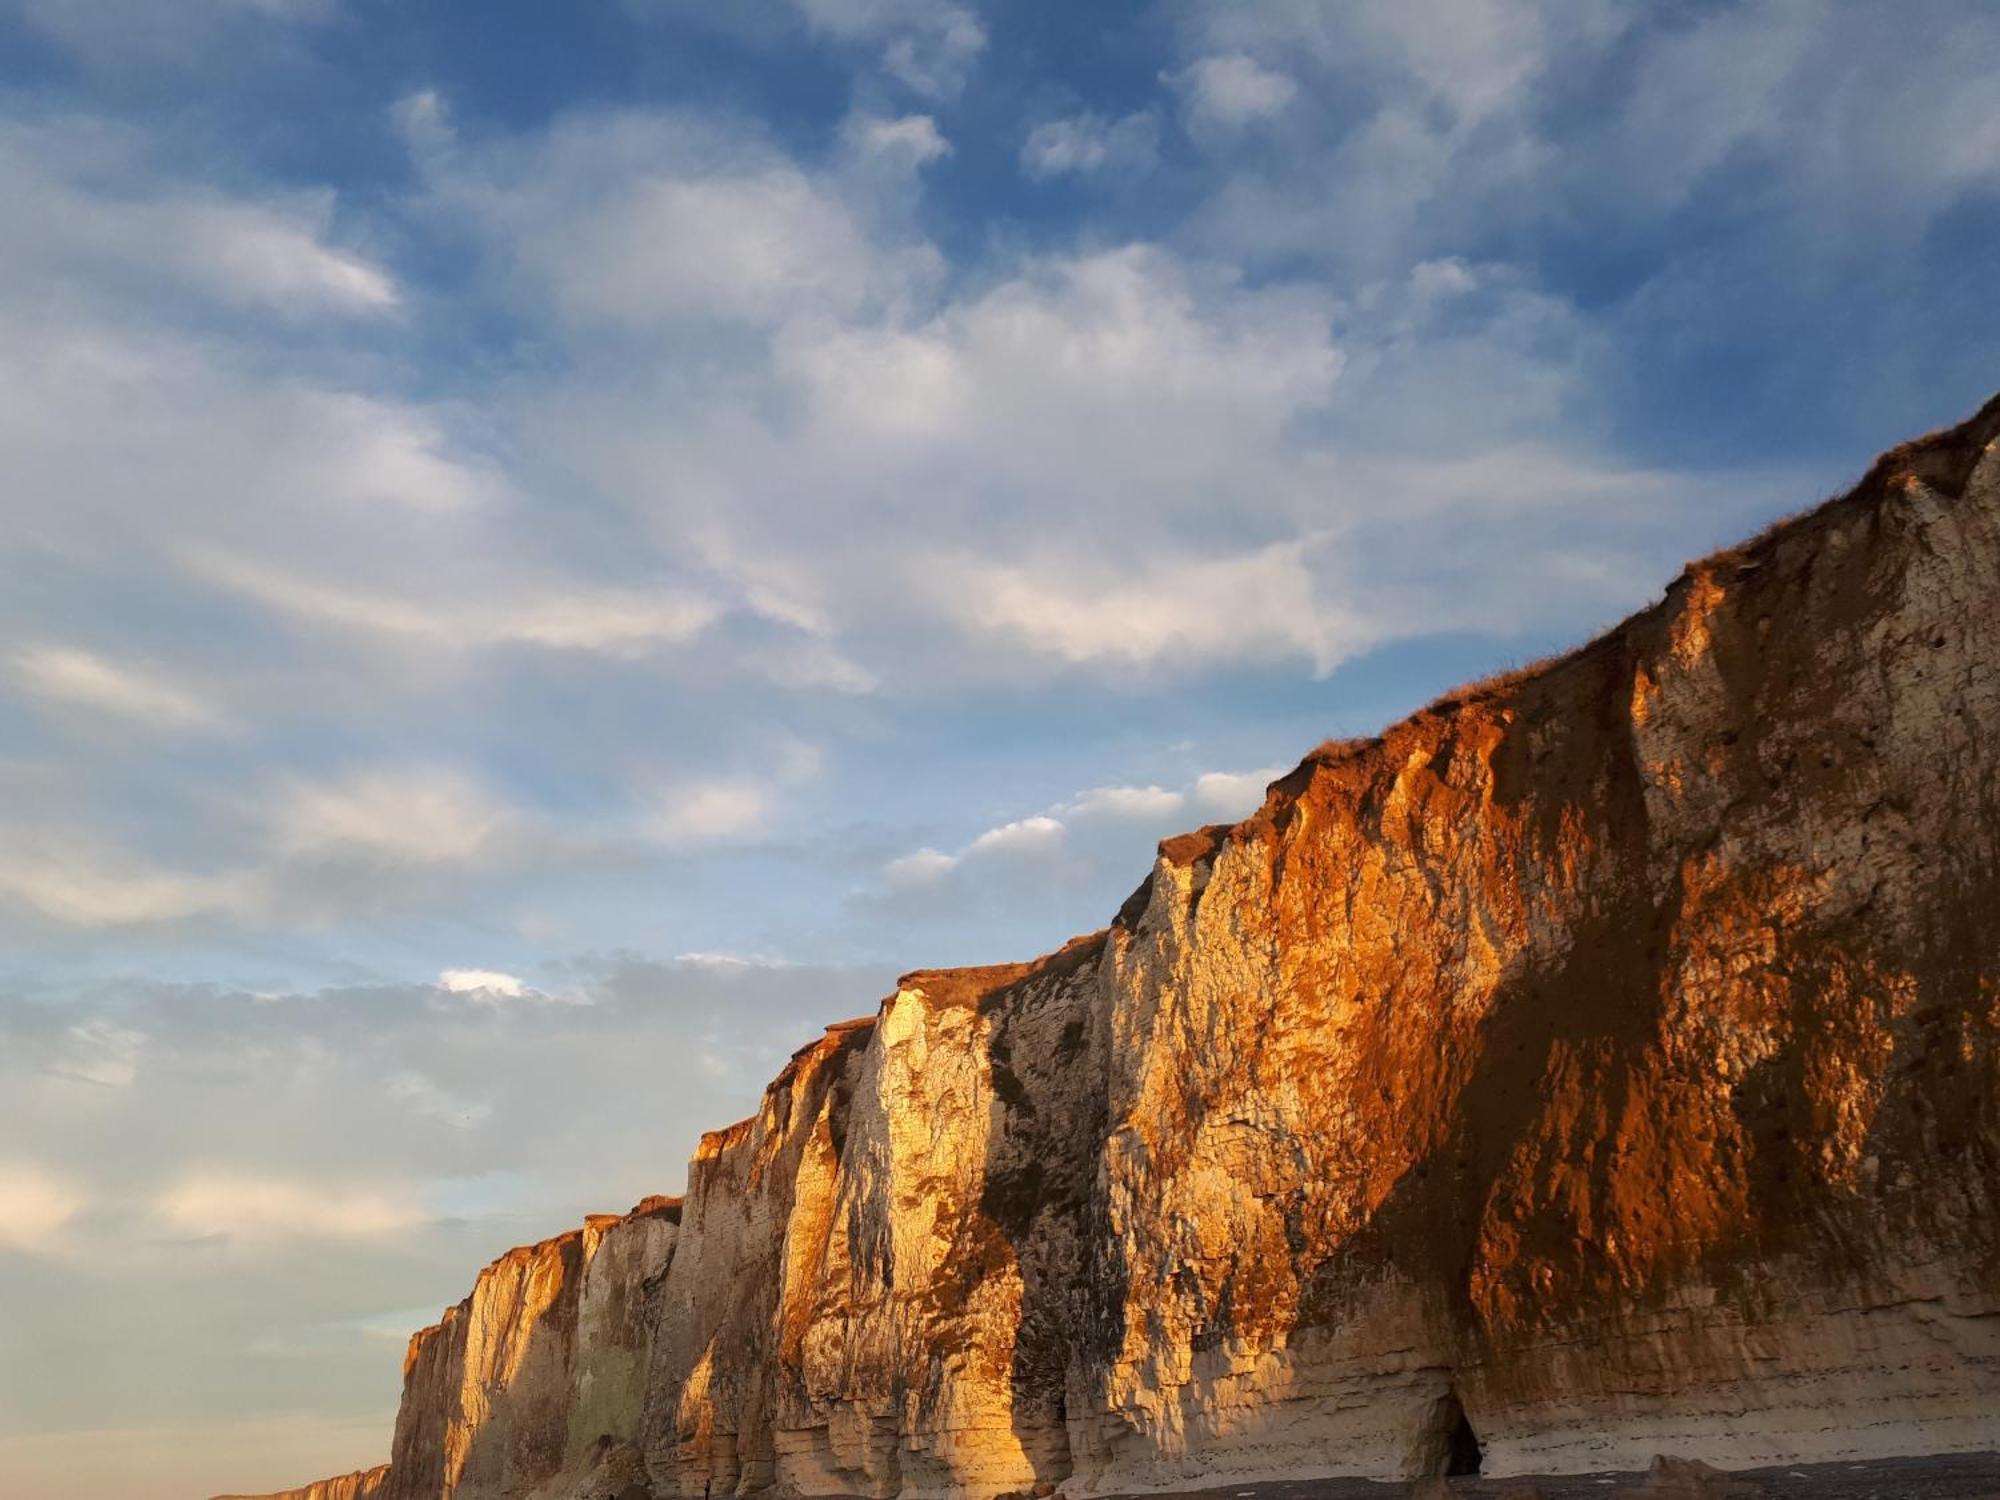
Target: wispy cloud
928	45
1214	795
1087	143
1232	90
35	1206
81	886
606	621
253	1208
71	675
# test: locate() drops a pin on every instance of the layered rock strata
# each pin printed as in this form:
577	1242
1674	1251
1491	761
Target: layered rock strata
1604	1061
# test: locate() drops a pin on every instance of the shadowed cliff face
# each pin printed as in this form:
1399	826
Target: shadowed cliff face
1603	1061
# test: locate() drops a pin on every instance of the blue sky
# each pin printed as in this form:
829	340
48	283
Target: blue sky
552	549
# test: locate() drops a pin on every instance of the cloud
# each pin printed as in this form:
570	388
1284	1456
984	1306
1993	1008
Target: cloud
928	45
612	622
747	247
1025	836
709	810
35	1206
253	255
1233	90
274	254
423	120
128	34
1229	796
1193	611
1042	837
481	982
99	1052
910	140
417	817
70	882
249	1207
1087	143
1142	803
422	1096
919	867
68	674
631	220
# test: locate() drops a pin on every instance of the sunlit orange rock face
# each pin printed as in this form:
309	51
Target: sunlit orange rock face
1609	1054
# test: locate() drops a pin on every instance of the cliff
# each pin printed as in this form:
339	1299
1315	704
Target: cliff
531	1385
363	1484
1604	1061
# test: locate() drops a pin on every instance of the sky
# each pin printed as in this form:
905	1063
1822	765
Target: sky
549	551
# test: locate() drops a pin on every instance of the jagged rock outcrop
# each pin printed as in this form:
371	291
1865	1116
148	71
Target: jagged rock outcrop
1605	1061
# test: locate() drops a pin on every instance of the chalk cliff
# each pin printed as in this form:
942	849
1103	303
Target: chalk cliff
532	1384
363	1484
1604	1061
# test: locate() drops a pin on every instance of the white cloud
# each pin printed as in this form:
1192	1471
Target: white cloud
1139	803
1115	385
929	45
701	811
1187	611
251	254
612	622
1229	796
35	1205
1089	143
264	1208
1102	820
79	885
275	254
69	674
1025	836
911	140
481	981
1233	90
920	867
416	817
741	247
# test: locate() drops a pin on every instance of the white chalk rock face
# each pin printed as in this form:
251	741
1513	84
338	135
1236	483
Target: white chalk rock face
1603	1062
363	1484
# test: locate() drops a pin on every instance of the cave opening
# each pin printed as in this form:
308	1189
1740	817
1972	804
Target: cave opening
1454	1444
1462	1453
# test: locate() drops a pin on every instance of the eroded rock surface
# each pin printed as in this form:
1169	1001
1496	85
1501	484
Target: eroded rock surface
1602	1062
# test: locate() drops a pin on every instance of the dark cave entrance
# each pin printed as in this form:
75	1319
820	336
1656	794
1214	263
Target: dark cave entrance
1454	1445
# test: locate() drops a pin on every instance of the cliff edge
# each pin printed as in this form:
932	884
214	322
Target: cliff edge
1602	1061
